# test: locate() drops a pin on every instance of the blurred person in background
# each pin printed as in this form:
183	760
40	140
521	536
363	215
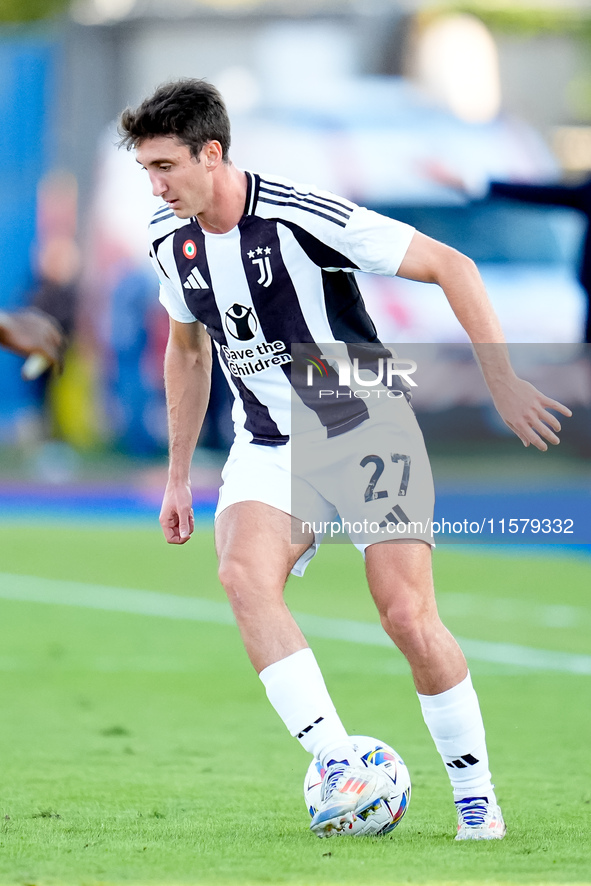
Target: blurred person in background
42	330
56	289
246	259
44	327
55	294
570	196
575	196
31	332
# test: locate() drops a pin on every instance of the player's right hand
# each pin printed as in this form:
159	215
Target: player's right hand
176	514
526	411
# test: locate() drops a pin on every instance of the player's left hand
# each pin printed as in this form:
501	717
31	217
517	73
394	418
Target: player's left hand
526	411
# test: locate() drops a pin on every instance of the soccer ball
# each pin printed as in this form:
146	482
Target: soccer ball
384	815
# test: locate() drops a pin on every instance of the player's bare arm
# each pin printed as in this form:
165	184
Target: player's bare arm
31	331
187	375
521	406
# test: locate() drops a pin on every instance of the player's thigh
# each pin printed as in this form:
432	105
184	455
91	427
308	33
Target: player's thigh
400	578
258	494
255	548
378	477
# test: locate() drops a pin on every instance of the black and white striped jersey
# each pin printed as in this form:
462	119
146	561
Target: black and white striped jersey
283	275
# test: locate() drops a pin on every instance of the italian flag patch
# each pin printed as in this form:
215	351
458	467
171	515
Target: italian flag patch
189	249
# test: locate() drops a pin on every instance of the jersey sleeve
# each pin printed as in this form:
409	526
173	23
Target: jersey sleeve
376	243
170	294
336	233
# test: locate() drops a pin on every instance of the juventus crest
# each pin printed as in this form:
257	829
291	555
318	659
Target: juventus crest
261	257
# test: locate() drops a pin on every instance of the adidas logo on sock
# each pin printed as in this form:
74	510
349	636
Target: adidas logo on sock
311	726
468	759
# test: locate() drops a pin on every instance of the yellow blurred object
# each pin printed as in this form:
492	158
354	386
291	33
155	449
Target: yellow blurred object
73	401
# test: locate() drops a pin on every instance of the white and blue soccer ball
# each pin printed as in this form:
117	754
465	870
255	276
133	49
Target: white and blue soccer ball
384	815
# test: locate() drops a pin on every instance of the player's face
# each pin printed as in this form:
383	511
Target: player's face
175	175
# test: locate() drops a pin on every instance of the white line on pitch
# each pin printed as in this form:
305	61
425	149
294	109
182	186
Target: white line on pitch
32	589
506	609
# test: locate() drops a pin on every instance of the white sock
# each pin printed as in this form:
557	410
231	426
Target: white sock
455	723
296	689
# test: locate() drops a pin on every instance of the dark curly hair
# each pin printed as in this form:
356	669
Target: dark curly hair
191	110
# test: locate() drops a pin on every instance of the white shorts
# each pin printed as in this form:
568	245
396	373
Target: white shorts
374	482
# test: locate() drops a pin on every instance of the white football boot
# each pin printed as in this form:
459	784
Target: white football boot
479	820
347	790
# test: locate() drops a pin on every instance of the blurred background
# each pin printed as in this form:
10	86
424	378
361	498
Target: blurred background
408	107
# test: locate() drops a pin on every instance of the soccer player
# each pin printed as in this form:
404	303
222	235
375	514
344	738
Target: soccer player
257	263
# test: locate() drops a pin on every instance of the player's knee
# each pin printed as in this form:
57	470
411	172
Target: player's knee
409	625
249	594
234	576
238	586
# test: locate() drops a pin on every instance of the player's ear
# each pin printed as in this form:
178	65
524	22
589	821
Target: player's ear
212	154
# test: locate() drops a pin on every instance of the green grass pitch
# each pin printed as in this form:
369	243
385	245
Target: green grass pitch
142	750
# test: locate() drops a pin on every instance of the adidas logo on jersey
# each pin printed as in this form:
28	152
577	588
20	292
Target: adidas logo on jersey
195	281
